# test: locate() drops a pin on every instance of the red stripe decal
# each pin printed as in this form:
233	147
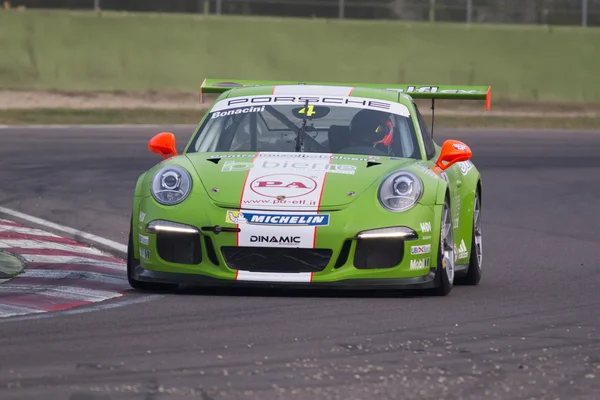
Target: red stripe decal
320	199
237	235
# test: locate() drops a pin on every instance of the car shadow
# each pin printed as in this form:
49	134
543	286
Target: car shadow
194	290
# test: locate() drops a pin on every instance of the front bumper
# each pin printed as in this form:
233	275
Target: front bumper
336	256
421	282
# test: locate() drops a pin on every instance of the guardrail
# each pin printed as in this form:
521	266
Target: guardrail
550	12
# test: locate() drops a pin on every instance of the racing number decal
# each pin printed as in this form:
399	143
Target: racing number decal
310	113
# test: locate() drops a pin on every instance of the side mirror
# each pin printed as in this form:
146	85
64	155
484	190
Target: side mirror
163	144
453	151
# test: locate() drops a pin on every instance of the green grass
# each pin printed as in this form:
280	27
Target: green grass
168	117
137	52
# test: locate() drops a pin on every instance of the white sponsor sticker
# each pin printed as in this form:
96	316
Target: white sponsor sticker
425	249
283	194
462	250
465	166
142	216
432	89
322	165
145	254
425	227
237	111
276	219
273	277
143	239
419	264
323	100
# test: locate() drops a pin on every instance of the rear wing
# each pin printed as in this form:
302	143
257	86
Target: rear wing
441	92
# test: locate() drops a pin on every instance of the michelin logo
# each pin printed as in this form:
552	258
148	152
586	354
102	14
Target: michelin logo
241	218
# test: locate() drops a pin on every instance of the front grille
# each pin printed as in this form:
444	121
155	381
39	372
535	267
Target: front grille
273	259
378	253
180	248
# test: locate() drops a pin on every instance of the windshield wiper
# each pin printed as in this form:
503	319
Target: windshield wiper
302	131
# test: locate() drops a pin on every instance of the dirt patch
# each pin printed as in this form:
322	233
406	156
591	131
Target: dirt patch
10	99
23	100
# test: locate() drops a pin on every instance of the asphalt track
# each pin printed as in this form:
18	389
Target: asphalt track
530	330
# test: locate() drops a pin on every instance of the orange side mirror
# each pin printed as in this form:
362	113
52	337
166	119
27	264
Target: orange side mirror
453	151
163	144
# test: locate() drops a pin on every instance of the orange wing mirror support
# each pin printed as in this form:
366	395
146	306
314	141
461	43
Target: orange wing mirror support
453	151
163	144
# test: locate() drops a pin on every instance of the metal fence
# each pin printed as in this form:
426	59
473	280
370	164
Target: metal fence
555	12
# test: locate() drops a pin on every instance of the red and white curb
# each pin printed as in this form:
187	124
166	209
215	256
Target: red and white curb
59	274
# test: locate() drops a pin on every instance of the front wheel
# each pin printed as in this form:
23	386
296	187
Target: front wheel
473	275
446	260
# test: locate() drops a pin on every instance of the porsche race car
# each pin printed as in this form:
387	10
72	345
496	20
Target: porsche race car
318	185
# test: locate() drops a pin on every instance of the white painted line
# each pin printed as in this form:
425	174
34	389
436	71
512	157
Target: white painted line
25	231
60	274
40	258
39	244
65	292
60	228
9	310
84	310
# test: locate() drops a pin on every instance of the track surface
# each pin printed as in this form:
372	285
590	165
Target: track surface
531	330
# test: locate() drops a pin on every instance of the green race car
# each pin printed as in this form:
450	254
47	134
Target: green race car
318	185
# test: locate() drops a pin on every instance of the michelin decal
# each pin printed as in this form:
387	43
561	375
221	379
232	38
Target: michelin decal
274	219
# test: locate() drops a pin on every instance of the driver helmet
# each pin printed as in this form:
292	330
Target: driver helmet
370	127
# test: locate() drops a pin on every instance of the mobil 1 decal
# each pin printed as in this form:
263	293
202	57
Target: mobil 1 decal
284	205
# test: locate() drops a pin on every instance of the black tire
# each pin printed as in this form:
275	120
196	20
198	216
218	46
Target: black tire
445	265
474	272
139	285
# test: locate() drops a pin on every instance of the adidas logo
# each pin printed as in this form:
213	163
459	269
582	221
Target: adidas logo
462	250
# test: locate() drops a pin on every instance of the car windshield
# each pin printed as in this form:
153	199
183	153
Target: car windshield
343	125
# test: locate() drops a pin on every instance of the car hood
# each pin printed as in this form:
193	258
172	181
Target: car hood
290	181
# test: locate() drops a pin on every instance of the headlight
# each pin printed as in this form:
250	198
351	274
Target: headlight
400	191
171	185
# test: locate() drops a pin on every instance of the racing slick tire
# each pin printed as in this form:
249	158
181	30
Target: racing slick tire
139	285
445	259
473	275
